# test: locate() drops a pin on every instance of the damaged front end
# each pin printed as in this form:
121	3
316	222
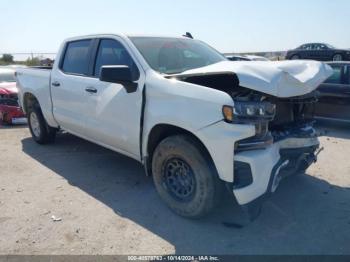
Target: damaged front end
283	122
278	99
286	123
285	143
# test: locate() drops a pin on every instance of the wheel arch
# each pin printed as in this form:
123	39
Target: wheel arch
295	54
29	100
161	131
341	54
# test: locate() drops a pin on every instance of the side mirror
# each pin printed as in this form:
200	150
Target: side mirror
119	74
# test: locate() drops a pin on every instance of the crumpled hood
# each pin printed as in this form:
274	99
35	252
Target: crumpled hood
281	79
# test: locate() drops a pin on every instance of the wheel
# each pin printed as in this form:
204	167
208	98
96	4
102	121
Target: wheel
337	57
4	119
184	177
41	132
295	57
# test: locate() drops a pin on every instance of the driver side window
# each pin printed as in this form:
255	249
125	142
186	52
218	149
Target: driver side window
111	52
323	47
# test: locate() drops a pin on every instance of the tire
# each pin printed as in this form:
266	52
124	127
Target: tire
181	158
2	118
295	57
337	57
5	120
41	132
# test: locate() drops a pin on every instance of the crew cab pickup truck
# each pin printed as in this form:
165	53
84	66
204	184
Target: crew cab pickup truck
197	122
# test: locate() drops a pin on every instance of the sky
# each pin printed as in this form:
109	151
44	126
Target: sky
227	25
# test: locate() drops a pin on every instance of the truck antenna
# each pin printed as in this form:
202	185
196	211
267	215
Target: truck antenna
188	35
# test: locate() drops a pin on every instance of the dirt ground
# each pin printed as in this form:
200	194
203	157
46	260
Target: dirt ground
104	204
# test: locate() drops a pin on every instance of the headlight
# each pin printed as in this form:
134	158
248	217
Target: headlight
249	111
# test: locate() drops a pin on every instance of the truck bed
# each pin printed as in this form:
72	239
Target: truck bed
36	80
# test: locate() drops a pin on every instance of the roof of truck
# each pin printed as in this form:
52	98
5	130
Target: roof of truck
122	35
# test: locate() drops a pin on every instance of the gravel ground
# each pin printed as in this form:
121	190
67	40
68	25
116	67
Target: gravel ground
104	204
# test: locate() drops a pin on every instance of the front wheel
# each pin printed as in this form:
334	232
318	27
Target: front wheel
184	177
41	132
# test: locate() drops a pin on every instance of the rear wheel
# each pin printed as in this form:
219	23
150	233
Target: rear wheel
184	177
41	132
5	118
295	57
2	118
337	57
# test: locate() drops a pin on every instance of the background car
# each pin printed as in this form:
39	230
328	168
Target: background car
319	52
246	58
10	111
334	94
237	58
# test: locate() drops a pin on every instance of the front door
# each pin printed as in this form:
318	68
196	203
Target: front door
325	53
114	114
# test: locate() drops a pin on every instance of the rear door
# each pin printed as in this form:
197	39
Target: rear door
314	52
68	83
305	51
334	101
114	114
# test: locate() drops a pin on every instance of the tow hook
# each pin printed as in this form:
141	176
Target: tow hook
317	153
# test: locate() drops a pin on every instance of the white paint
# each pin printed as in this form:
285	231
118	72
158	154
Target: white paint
281	79
111	117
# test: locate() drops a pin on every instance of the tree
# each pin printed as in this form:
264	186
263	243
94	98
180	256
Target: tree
35	61
7	58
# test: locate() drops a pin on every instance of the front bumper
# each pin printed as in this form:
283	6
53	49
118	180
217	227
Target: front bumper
262	163
265	163
269	166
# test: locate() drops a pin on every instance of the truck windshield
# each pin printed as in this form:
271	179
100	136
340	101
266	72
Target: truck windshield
175	55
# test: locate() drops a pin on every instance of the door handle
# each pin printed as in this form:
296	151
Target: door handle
91	90
55	83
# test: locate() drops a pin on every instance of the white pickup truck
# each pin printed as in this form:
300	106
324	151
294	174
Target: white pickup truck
196	121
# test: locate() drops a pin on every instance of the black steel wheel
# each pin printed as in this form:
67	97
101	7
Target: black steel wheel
185	177
178	179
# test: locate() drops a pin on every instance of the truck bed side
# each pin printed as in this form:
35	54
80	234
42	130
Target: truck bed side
36	82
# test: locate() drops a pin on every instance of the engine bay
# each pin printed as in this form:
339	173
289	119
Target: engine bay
275	118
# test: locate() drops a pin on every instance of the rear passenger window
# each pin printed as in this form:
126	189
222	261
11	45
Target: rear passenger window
111	52
312	47
76	59
336	77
